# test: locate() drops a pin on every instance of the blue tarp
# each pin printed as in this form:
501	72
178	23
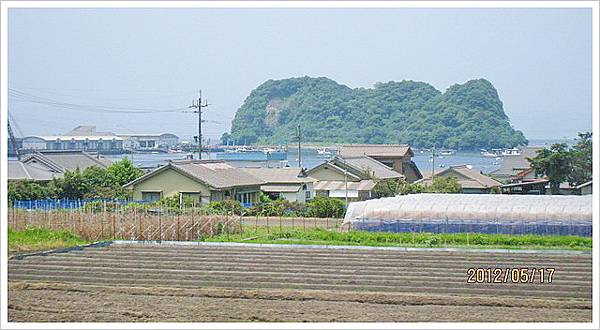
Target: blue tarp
456	226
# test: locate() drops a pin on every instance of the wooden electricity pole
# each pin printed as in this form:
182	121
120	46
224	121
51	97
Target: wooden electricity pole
299	136
199	106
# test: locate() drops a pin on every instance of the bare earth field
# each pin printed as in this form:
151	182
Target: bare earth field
164	283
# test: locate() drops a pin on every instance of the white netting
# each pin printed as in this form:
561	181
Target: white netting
471	207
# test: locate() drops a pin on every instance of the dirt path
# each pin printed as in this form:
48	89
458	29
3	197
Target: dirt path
227	284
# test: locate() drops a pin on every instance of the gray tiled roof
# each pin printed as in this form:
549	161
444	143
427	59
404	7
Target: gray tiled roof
511	165
66	160
18	170
377	169
216	174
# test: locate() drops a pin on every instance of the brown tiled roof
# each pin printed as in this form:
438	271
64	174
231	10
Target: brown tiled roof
374	150
474	178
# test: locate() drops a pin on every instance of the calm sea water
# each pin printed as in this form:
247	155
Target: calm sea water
311	158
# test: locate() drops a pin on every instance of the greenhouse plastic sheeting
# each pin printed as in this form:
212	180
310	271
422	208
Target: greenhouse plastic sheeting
455	213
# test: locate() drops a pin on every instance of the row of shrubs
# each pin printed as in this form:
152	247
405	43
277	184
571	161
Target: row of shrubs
319	207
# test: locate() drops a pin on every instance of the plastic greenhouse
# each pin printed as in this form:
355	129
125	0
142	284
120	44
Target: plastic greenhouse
457	213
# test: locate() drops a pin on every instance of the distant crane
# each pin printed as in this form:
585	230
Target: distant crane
13	140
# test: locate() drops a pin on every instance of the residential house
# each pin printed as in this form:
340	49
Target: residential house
525	182
204	181
42	166
68	160
292	184
396	156
583	189
516	170
472	181
352	177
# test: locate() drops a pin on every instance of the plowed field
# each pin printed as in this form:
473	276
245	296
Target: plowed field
162	283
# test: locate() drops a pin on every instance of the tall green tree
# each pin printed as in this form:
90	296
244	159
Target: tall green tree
560	163
444	185
554	163
74	184
124	171
581	160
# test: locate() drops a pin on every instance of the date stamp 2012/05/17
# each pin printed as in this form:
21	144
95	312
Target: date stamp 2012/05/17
510	275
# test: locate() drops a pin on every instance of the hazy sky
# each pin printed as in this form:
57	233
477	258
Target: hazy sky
540	61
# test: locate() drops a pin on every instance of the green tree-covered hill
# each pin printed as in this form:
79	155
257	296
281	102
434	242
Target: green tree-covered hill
466	116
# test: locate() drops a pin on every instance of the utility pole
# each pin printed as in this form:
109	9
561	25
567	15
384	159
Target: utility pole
433	163
299	136
199	106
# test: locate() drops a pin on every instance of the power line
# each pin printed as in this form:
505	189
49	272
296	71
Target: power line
26	97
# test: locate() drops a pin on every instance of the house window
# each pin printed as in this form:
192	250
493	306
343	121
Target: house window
150	196
308	194
190	196
274	195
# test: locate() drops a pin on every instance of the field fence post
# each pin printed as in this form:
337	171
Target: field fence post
103	218
114	215
304	223
280	226
497	226
467	237
268	229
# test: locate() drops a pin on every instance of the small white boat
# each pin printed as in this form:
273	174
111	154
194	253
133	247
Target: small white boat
489	154
511	152
323	151
447	152
243	149
268	150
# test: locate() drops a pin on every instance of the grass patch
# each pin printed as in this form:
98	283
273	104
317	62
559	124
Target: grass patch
472	240
39	239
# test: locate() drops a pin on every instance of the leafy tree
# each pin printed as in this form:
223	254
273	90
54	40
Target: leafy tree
396	186
444	185
581	160
563	164
555	163
124	171
100	184
73	184
326	207
25	190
